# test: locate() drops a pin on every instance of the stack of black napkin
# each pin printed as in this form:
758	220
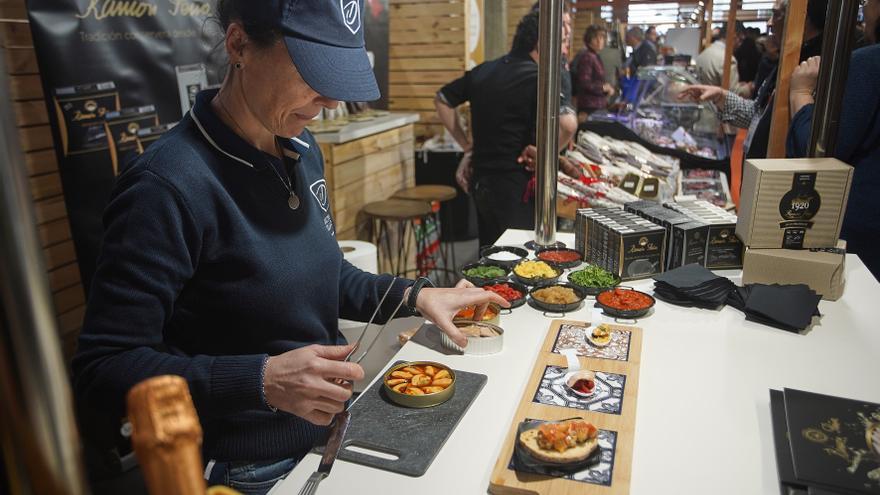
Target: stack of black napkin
693	285
789	307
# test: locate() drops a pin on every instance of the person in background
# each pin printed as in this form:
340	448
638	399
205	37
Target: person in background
645	53
710	62
503	94
756	114
612	59
858	136
593	91
747	55
566	91
769	49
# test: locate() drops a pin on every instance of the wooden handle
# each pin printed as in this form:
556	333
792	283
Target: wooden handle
166	436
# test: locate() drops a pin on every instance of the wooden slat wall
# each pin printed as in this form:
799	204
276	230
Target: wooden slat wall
580	22
516	9
366	170
42	170
427	49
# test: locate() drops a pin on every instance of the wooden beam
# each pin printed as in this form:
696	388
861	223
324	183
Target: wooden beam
789	58
728	44
707	25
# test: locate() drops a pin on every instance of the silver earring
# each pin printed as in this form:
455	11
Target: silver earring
238	65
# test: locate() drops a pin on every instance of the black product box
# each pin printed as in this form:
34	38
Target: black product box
122	128
663	217
689	242
723	249
80	111
620	242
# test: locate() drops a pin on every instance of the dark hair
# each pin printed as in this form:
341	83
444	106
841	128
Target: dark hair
259	30
593	31
740	28
816	13
526	38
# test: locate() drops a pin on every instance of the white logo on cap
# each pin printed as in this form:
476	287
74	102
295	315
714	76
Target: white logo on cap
351	15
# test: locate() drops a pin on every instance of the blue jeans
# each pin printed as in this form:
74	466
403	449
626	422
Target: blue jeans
250	478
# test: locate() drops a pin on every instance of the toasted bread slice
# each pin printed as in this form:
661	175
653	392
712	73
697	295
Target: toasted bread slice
529	441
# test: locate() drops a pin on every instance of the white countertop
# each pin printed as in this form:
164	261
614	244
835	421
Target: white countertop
357	130
703	419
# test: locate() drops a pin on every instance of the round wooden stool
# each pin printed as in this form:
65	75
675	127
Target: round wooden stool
395	222
436	194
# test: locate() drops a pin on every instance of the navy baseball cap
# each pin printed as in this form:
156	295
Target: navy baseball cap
325	40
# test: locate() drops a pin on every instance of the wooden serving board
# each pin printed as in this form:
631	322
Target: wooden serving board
620	426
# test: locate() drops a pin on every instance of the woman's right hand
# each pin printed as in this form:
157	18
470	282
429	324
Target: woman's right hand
701	92
303	382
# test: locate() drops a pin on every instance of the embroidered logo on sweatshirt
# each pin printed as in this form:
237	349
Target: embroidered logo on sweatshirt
319	191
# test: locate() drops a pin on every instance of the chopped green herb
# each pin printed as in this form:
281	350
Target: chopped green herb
485	271
592	276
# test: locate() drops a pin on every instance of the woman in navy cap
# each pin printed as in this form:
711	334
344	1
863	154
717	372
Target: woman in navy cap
220	262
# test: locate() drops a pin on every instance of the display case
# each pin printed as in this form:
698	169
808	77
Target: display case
660	117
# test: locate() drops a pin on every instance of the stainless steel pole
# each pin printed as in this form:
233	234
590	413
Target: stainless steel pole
837	46
38	431
549	53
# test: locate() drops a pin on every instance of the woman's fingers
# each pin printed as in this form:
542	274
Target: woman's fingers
444	323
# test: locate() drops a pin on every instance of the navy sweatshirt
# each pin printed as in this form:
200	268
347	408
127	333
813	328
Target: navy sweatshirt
204	271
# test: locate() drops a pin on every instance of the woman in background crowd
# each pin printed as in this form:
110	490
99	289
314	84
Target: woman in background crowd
592	90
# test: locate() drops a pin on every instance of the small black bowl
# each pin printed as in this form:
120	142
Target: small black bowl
592	290
538	281
558	308
490	250
518	286
478	281
625	313
560	264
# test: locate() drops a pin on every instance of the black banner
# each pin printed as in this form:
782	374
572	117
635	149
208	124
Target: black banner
116	74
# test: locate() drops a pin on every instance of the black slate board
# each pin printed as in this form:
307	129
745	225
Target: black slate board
414	435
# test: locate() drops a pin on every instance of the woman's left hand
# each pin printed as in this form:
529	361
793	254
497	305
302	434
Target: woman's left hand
440	306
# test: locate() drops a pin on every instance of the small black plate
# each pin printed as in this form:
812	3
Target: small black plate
558	308
524	462
560	264
518	286
626	313
487	251
479	282
537	281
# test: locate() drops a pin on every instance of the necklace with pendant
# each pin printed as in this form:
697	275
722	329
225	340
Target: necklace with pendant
292	200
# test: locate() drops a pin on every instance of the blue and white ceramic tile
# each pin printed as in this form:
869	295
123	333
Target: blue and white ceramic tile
607	398
575	337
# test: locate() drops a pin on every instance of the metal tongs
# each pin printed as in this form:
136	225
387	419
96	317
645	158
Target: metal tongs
341	420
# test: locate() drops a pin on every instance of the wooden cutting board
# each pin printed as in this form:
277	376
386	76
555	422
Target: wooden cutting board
414	436
619	426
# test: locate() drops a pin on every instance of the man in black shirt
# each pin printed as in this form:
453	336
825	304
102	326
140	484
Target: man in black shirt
503	96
